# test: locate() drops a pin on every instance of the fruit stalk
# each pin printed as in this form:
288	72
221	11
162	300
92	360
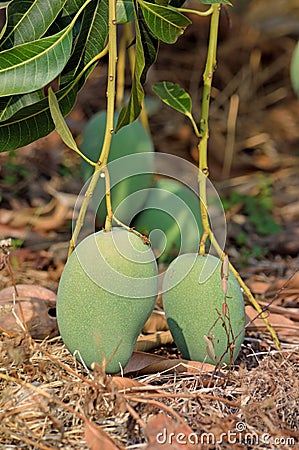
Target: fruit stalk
203	165
204	123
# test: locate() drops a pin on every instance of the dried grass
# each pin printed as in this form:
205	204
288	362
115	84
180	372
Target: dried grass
46	398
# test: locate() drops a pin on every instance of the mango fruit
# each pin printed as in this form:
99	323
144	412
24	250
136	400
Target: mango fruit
206	324
106	293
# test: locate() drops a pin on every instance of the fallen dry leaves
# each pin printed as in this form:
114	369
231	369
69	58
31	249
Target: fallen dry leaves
97	439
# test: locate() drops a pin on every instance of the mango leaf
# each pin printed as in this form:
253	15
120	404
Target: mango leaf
166	23
146	53
28	21
33	121
124	11
60	125
11	105
174	96
30	66
72	6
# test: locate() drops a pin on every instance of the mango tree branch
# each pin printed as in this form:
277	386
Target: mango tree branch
203	165
204	122
196	12
102	162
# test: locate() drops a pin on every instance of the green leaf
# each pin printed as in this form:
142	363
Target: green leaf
28	67
72	6
34	121
124	11
61	126
59	122
146	53
174	96
166	23
28	21
11	105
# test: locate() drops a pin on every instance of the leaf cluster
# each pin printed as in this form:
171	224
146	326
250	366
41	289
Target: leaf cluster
55	43
45	43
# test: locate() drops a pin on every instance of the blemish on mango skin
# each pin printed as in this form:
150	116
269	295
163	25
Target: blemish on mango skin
107	291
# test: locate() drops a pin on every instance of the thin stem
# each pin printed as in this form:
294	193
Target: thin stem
112	46
83	209
204	122
102	162
194	125
144	238
109	217
208	12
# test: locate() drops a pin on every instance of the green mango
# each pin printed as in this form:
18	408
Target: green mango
194	305
131	166
174	209
106	293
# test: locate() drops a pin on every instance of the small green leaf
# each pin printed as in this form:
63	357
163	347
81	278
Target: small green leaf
166	23
34	121
174	96
59	122
61	126
12	104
